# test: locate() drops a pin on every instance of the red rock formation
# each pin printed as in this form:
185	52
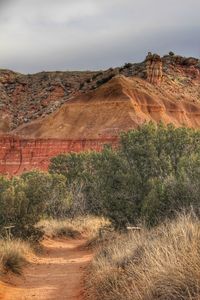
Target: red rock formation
154	68
20	155
28	97
58	112
119	105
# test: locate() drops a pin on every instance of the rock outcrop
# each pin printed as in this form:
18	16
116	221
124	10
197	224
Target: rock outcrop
154	68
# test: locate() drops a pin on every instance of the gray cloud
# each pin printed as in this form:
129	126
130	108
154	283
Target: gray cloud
40	35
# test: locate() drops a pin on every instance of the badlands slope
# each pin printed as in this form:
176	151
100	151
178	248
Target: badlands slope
120	104
73	105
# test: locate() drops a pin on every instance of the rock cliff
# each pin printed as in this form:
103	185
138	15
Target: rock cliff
19	155
42	115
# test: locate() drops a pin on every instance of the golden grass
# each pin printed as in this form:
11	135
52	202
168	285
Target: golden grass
163	264
13	255
88	226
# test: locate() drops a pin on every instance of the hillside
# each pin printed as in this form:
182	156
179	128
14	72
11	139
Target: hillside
26	98
121	104
45	114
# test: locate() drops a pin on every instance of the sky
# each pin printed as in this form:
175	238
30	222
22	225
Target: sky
47	35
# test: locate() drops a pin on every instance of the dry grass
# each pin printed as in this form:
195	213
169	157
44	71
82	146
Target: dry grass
73	228
13	255
101	238
160	264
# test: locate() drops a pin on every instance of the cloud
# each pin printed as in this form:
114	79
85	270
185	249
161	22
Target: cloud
40	35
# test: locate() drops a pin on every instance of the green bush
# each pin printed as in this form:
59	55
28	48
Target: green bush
155	171
24	200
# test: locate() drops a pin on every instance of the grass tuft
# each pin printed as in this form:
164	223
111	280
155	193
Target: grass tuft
13	256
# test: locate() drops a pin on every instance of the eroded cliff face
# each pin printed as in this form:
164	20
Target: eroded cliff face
25	98
19	155
59	112
119	105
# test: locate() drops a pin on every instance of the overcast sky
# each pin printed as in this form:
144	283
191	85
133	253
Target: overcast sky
38	35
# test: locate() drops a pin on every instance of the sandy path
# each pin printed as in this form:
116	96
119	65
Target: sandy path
56	274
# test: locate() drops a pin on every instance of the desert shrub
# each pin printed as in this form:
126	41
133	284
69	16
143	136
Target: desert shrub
79	170
24	200
70	166
105	79
154	171
97	75
81	85
168	196
162	263
127	65
161	162
171	53
59	201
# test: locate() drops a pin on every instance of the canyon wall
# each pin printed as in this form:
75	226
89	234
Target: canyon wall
45	114
20	155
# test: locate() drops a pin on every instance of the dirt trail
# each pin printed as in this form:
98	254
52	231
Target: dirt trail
56	274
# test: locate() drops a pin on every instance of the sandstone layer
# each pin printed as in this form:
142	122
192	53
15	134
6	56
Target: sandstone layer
45	114
21	155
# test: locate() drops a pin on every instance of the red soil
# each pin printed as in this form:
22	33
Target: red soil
58	274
